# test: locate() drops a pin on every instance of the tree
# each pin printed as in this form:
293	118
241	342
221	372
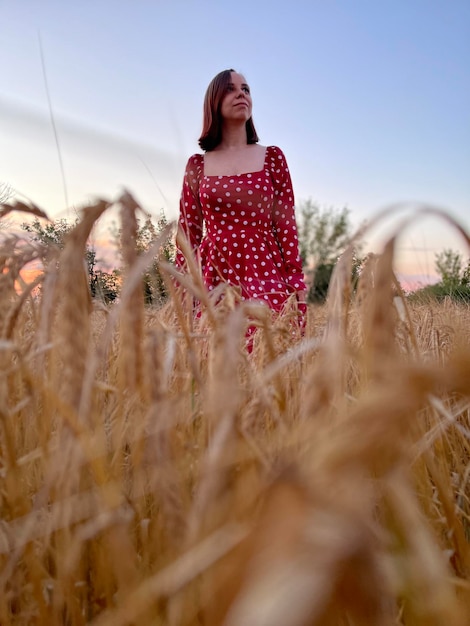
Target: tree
52	235
324	234
105	286
449	267
454	275
153	283
465	280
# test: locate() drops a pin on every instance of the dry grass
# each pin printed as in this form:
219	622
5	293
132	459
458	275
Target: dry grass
153	471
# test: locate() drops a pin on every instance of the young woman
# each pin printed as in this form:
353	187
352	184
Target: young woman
237	203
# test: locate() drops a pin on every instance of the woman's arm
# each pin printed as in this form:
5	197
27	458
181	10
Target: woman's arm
190	222
284	222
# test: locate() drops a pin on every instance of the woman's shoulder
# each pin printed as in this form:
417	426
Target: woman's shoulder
194	171
195	160
274	153
275	158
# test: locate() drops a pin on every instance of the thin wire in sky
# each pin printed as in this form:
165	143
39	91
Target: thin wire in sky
51	113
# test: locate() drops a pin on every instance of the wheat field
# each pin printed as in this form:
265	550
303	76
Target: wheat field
153	471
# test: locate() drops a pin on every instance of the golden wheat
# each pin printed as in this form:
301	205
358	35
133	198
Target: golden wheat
155	471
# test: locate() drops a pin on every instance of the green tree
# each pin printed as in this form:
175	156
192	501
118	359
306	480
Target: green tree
465	280
449	267
153	283
155	290
52	236
105	286
454	275
324	234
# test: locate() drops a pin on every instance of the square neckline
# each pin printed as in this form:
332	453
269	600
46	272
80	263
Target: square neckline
204	175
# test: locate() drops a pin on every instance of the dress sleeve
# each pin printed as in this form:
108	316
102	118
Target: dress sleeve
284	223
190	221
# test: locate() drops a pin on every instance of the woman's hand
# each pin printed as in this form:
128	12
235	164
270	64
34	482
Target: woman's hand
302	310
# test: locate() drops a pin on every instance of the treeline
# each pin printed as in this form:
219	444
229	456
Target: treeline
324	234
454	274
105	285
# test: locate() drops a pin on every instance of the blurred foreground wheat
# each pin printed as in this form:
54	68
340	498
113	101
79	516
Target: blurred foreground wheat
154	471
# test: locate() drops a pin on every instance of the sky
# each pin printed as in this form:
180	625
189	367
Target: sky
368	99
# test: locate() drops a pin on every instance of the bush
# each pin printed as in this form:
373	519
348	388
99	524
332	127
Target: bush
441	291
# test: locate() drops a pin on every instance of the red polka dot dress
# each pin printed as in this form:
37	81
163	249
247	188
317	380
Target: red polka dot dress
243	229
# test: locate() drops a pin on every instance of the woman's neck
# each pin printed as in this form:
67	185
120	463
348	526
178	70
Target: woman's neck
233	137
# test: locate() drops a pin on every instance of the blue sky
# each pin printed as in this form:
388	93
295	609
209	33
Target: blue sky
370	100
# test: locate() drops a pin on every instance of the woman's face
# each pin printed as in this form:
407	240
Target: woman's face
237	103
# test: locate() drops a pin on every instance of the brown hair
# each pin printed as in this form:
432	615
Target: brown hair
211	134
